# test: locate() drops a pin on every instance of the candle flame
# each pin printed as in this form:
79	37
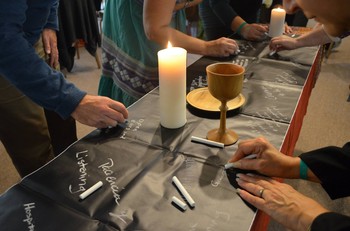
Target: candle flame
169	44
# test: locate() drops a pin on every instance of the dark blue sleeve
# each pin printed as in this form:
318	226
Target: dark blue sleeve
52	21
26	70
223	11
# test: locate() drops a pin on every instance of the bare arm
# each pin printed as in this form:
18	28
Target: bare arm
157	17
315	37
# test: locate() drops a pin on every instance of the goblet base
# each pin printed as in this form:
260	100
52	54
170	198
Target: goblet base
227	138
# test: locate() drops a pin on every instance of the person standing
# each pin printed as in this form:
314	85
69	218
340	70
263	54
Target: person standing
25	74
133	33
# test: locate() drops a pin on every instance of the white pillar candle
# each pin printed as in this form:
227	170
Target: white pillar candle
277	19
172	86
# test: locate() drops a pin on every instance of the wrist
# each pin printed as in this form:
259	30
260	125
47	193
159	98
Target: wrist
303	169
290	167
240	28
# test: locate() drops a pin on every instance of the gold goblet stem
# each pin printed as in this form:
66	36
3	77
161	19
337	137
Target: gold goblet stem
223	111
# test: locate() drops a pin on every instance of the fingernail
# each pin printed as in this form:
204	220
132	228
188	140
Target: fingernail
238	190
238	175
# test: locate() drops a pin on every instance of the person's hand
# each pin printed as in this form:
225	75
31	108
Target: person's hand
50	45
280	201
221	47
283	42
254	32
100	112
269	161
287	29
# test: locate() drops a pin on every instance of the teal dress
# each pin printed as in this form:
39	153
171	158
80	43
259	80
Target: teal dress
129	59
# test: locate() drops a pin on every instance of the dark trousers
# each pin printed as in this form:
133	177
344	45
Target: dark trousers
31	136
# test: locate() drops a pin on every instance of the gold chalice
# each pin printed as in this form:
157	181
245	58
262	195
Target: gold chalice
225	82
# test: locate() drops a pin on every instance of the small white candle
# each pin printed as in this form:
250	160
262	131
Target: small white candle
183	191
90	190
277	19
179	202
172	86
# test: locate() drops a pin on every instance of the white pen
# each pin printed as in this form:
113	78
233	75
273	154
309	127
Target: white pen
208	142
183	191
230	165
90	190
179	202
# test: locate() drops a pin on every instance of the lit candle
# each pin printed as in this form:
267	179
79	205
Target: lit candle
172	86
276	28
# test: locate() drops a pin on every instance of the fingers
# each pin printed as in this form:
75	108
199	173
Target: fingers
222	47
256	188
121	109
255	32
100	112
250	146
254	200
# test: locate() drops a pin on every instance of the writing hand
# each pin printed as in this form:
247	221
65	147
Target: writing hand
100	112
269	161
283	43
254	32
222	47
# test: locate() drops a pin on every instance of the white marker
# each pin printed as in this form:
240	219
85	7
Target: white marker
90	190
208	142
183	191
179	202
231	165
272	52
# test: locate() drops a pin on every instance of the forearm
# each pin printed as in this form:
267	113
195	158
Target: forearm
237	23
52	20
315	37
29	73
157	29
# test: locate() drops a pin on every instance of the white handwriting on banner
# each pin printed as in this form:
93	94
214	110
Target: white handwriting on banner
106	168
133	126
29	218
219	218
216	182
80	156
286	77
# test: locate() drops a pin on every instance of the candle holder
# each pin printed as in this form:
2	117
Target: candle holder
225	82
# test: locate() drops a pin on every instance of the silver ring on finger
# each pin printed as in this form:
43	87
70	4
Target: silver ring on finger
261	192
